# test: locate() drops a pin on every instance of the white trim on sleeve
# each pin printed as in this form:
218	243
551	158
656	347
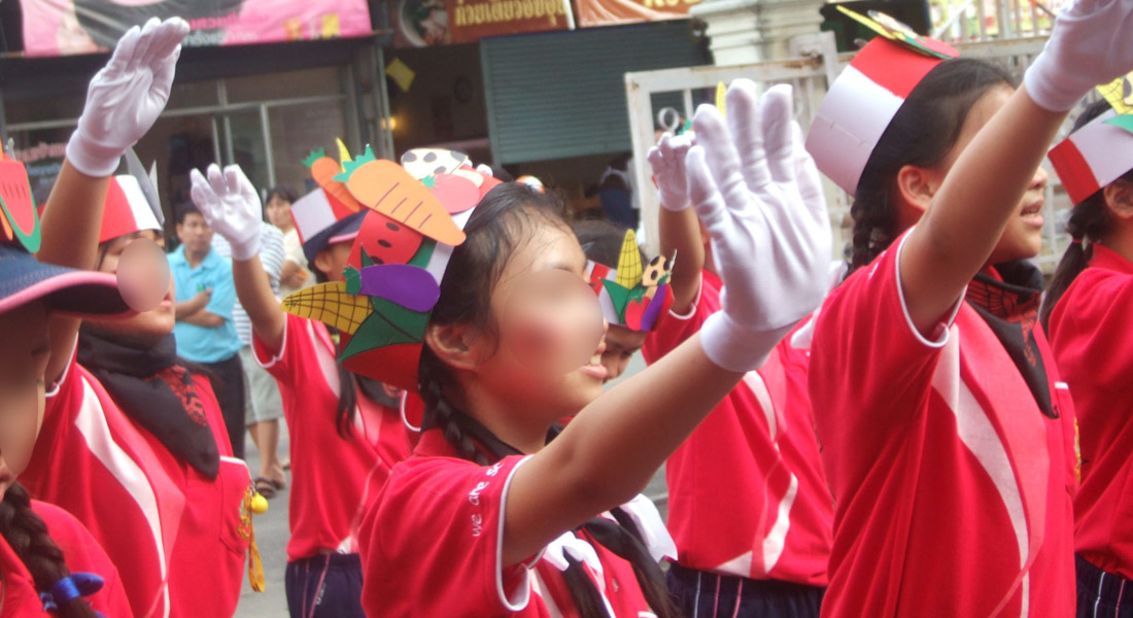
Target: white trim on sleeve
524	592
947	323
693	307
271	362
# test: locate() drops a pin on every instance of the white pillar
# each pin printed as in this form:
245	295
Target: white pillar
749	31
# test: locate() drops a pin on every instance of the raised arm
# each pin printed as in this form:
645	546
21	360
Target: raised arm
771	249
123	101
232	208
1090	45
679	230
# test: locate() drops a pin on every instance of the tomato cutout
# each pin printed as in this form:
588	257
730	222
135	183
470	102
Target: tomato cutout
456	193
635	311
387	241
18	204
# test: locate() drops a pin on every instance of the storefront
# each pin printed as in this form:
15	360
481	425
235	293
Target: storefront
262	105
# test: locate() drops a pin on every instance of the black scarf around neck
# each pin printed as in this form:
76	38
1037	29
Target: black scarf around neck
154	390
1010	307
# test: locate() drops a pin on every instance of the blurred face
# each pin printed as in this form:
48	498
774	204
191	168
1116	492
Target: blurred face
195	234
24	353
279	213
332	260
146	326
1022	238
621	344
545	355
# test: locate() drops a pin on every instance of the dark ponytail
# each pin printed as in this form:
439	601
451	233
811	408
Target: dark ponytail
1089	222
504	216
922	133
26	533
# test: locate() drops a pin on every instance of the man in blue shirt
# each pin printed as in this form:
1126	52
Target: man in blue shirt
205	332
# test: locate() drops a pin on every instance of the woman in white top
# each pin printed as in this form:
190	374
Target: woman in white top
295	274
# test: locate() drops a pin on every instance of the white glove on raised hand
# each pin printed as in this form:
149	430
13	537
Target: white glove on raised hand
126	96
1091	44
757	192
231	207
667	159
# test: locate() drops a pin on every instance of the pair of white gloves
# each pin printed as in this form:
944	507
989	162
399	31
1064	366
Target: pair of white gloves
758	194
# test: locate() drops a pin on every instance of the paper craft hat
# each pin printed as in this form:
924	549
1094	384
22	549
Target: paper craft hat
410	227
1098	153
329	214
866	96
632	295
127	209
23	279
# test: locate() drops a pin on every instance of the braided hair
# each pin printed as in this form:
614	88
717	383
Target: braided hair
923	131
504	216
1090	221
27	534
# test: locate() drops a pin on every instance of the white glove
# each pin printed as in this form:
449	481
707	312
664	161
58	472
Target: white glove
1091	44
126	96
231	207
667	159
756	190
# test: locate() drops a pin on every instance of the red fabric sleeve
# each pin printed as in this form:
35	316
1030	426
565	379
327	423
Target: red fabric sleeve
868	355
674	328
83	554
435	547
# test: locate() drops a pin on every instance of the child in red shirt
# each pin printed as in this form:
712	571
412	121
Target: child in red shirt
748	501
1089	333
49	563
346	431
134	445
947	436
486	306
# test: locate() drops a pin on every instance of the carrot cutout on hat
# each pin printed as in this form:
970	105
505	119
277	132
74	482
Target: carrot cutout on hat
387	188
323	171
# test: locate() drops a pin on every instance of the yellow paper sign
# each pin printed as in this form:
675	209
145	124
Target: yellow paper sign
1119	94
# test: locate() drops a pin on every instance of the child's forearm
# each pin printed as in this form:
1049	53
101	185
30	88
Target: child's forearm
612	448
679	232
72	218
254	292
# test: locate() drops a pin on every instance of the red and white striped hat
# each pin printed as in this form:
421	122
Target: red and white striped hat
317	211
1094	155
127	209
864	99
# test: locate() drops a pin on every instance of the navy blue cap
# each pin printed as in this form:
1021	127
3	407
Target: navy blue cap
24	279
343	230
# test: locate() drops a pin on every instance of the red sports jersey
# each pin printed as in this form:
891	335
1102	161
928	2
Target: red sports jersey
211	550
1093	342
91	460
747	495
83	554
330	474
431	547
170	531
953	491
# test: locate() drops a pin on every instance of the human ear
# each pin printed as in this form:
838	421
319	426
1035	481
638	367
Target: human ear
453	344
1119	199
917	186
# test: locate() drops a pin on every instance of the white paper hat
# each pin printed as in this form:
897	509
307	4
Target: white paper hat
866	96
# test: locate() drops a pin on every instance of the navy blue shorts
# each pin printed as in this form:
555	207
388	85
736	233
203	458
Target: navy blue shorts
1101	593
707	595
325	586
